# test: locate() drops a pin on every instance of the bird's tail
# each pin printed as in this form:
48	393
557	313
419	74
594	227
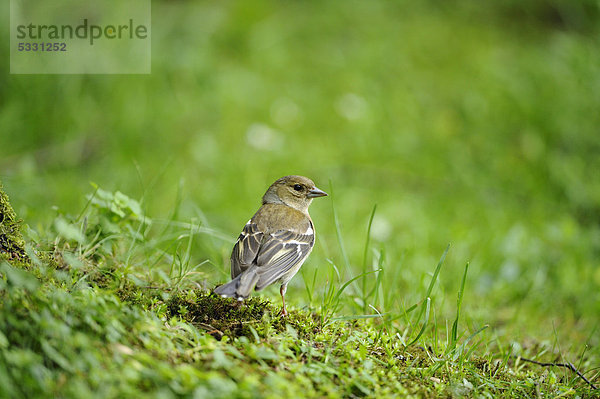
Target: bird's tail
241	286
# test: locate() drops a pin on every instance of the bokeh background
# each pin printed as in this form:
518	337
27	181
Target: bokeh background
465	123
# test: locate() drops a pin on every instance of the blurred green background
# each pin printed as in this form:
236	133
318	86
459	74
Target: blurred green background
466	123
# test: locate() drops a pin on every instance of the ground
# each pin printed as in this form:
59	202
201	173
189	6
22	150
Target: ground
72	328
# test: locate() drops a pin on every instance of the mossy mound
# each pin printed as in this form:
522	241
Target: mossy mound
12	244
227	316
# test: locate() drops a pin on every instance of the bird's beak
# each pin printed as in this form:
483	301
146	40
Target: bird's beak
315	192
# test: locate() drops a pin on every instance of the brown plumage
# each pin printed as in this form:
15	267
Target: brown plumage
275	241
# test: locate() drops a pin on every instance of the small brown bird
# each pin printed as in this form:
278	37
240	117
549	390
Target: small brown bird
276	241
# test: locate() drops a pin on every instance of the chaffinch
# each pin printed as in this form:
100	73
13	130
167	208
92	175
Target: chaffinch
275	241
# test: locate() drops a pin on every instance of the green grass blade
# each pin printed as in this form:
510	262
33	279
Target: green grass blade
365	296
338	230
454	335
432	283
425	323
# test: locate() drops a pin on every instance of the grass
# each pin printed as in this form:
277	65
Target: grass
84	317
433	124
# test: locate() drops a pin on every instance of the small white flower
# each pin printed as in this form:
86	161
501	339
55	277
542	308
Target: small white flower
381	229
262	137
351	106
285	112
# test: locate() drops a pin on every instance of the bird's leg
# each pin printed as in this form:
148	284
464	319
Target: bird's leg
282	291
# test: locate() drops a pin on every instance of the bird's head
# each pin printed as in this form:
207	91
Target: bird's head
294	191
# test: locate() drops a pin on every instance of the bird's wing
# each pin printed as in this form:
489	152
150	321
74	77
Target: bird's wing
246	248
280	252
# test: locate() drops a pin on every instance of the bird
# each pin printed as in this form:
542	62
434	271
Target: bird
276	241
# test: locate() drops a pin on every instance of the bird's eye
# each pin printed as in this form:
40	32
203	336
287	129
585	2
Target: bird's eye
297	187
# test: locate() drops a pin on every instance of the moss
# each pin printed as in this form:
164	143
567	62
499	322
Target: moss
219	316
12	244
227	316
